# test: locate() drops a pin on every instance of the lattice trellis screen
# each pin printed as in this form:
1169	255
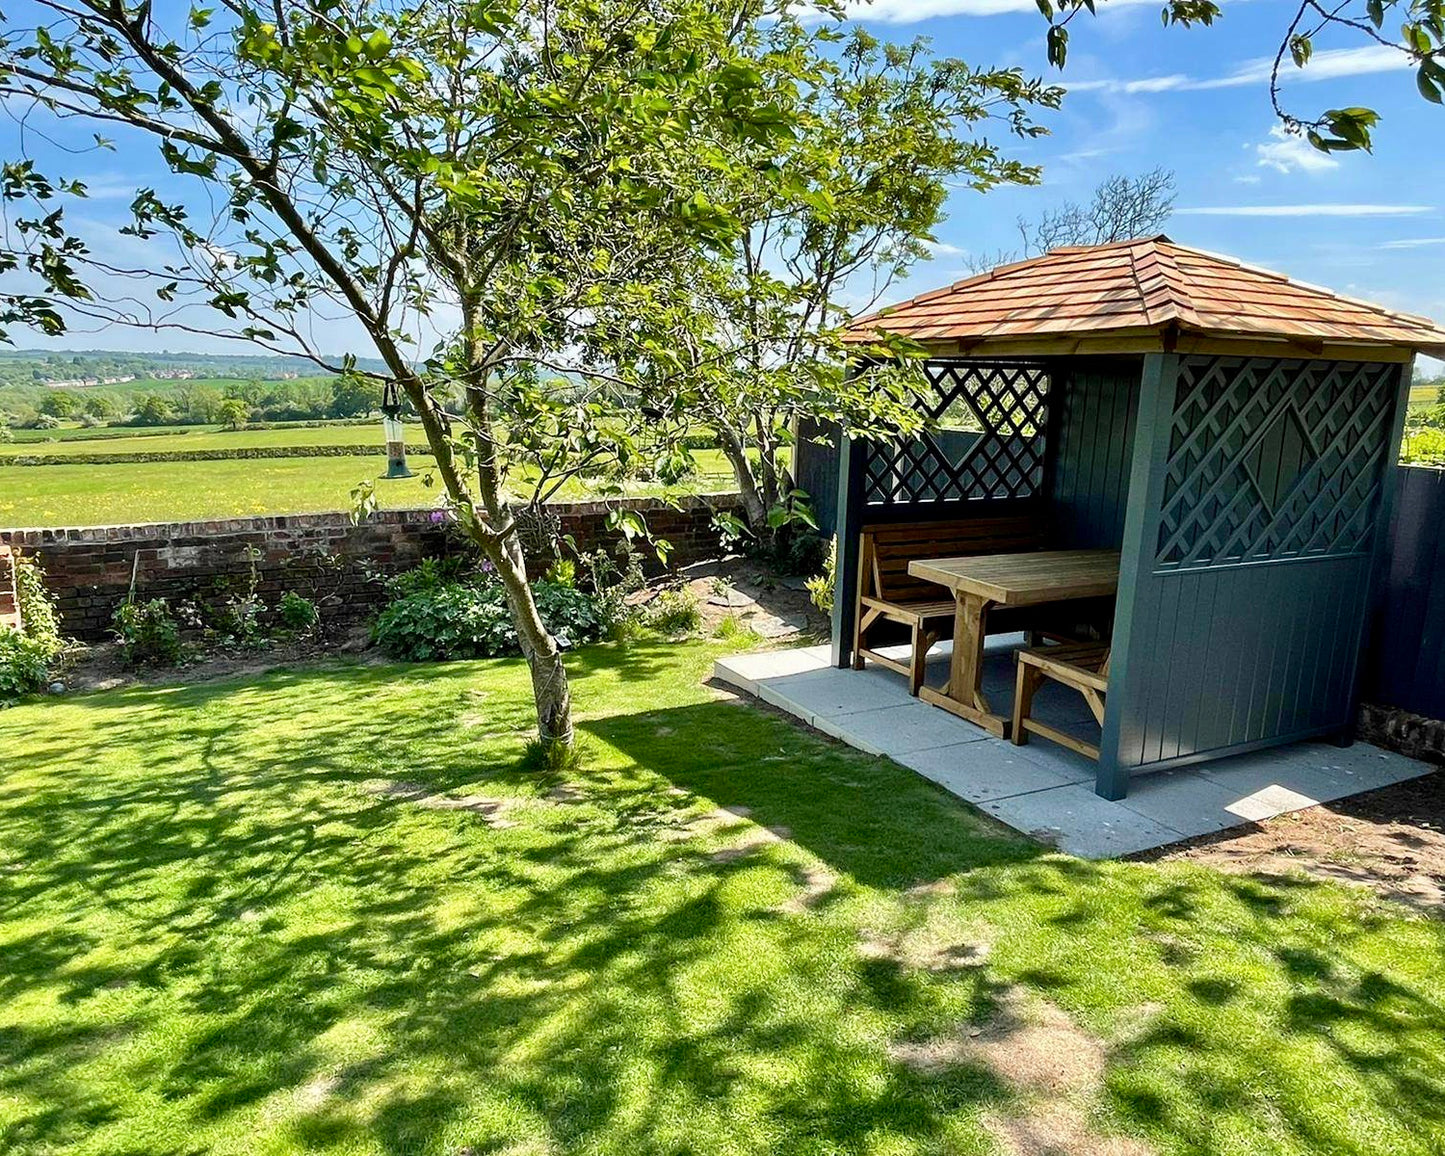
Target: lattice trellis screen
1274	459
993	417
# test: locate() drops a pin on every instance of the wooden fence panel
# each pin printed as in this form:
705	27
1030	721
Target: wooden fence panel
1406	666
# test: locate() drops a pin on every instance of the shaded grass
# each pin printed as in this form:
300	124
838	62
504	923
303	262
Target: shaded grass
218	935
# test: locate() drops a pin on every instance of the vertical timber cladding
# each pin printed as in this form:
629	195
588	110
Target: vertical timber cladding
987	443
1097	410
1251	590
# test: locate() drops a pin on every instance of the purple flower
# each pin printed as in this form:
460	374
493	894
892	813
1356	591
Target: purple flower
486	566
438	517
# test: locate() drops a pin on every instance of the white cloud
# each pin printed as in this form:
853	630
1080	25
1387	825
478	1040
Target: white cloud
1413	243
1247	179
1287	153
942	249
916	11
1325	210
1330	64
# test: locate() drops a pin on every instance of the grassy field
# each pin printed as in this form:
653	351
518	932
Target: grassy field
327	910
91	495
1425	396
182	439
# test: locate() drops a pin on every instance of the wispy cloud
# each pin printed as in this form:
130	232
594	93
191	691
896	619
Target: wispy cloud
916	11
943	249
1413	243
1286	153
1330	64
1323	210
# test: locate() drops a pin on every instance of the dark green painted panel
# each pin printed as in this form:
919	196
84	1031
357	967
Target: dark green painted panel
1094	433
1257	491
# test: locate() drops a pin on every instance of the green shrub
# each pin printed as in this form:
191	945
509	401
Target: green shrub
472	620
38	616
148	633
821	586
430	574
296	613
673	612
612	583
443	622
731	628
569	613
24	665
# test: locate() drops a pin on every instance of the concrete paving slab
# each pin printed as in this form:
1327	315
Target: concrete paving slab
1077	821
899	730
1042	788
744	671
1318	770
1184	802
982	771
829	693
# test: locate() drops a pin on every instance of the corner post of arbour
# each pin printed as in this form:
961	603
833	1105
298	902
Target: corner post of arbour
852	453
1375	579
1120	746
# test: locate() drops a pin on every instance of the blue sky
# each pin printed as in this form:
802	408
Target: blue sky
1197	101
1192	100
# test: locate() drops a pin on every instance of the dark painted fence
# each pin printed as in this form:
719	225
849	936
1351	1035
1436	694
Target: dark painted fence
1406	667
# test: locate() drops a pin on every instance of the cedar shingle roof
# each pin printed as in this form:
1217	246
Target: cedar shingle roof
1133	287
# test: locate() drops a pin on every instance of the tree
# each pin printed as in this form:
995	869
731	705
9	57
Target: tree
353	396
1122	208
59	403
233	413
153	409
883	131
1421	42
100	406
528	181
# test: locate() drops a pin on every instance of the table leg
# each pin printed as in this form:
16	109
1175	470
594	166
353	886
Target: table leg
964	695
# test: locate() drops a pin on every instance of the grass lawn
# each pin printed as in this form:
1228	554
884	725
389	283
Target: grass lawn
327	910
91	495
204	437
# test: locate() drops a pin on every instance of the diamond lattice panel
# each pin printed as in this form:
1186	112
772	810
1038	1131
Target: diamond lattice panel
1006	404
1274	459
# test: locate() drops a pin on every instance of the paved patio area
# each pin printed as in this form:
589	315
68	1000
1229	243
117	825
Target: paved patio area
1043	789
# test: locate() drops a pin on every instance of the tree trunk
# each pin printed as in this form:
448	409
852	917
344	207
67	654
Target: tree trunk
551	690
755	506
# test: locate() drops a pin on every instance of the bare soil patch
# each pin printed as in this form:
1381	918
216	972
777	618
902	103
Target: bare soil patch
492	810
1391	841
757	598
1056	1067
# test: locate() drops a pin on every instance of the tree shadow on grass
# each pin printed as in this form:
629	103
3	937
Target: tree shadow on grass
244	938
219	907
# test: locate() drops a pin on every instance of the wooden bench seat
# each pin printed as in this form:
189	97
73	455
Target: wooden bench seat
888	593
1082	666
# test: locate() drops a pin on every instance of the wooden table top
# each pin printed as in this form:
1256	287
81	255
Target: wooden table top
1026	579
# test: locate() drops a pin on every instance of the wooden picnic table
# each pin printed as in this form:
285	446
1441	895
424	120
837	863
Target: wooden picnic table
987	580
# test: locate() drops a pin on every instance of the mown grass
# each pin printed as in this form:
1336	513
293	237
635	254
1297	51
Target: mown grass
220	933
171	440
93	495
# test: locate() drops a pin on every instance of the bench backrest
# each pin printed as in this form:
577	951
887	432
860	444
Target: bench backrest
887	550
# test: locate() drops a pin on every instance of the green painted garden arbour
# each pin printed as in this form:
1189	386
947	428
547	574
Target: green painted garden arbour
1239	457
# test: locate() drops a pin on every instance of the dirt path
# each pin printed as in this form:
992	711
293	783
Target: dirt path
1391	840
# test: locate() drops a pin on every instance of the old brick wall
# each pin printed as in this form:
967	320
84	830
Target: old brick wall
322	556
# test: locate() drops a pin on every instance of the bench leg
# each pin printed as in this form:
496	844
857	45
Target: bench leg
918	660
1024	686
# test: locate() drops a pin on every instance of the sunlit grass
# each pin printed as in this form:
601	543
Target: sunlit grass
91	495
228	924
